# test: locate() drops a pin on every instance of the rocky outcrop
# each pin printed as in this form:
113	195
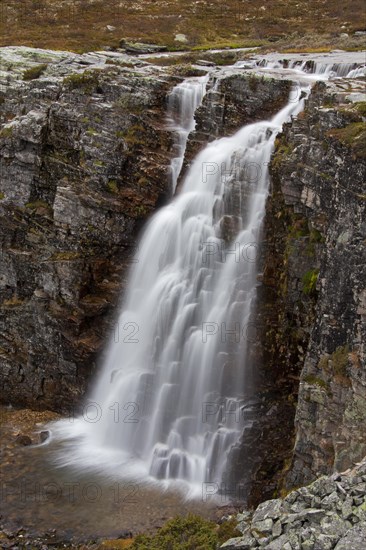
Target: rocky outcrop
85	159
328	514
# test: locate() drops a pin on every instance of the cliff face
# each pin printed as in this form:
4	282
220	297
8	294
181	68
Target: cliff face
311	306
320	166
85	157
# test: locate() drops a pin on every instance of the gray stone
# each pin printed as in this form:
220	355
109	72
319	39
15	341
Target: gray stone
269	509
354	539
279	543
263	526
181	38
324	542
329	502
333	525
244	543
277	529
360	512
347	509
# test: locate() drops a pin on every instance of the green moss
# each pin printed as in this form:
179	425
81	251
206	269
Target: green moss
126	64
316	236
142	181
134	135
282	150
330	101
354	136
361	108
309	281
299	228
133	103
34	72
323	362
37	204
14	301
91	131
186	71
190	533
141	211
112	186
6	132
230	45
2	196
99	163
340	360
253	83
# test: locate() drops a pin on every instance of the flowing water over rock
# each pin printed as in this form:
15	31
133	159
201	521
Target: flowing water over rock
182	104
168	398
314	67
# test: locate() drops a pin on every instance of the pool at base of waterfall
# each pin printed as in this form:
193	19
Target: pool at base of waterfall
38	497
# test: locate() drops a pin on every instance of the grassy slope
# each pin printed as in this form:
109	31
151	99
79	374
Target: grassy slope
80	25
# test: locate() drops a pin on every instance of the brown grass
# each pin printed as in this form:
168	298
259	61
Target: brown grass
80	25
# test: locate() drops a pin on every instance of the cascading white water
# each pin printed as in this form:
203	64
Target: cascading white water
182	104
320	70
167	399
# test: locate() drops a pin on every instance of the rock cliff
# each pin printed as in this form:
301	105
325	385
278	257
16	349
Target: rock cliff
84	160
311	298
319	168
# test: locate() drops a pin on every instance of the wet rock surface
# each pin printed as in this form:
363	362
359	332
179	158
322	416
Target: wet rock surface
328	514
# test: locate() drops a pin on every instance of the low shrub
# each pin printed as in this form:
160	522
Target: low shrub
191	532
34	72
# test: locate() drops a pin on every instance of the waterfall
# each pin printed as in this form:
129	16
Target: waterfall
182	104
166	404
